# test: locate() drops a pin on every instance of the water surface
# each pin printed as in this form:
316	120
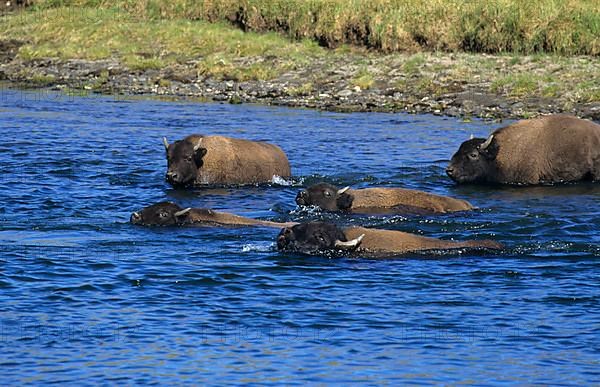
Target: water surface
84	295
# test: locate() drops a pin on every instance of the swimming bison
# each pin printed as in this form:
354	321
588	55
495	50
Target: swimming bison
378	200
546	150
170	214
216	160
321	237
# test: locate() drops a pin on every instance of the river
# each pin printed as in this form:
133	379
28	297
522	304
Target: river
87	297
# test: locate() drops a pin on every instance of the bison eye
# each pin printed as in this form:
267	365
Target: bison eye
188	159
162	214
474	155
327	193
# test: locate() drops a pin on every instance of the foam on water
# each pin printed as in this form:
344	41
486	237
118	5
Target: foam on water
262	248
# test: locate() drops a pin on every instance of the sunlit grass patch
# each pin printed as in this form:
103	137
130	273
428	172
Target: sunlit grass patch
301	90
141	44
363	79
516	85
413	64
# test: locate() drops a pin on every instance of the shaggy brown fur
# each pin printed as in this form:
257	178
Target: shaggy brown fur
378	200
223	160
235	161
369	198
550	149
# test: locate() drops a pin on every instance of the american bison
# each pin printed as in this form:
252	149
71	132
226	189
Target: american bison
322	237
216	160
170	214
546	150
378	200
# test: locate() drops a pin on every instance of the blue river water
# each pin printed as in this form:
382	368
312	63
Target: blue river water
87	297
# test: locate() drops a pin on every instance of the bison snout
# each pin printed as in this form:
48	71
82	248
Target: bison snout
173	177
281	242
301	198
450	171
135	217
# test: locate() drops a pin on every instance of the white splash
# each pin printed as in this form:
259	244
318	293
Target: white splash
254	247
281	181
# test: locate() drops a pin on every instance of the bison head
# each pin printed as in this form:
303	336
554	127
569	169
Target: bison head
314	237
474	161
325	196
160	214
184	157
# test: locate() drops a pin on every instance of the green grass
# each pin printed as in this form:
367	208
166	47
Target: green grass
363	79
589	91
412	66
86	33
42	80
516	85
566	27
301	90
551	90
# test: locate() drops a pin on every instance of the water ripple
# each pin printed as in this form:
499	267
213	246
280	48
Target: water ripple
87	296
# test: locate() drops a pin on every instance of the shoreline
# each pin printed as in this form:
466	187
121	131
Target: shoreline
328	83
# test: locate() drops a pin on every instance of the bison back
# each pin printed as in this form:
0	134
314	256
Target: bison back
398	197
236	161
551	149
389	242
203	216
395	242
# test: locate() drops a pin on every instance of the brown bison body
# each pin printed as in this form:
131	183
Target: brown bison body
389	242
378	200
170	214
546	150
217	160
321	237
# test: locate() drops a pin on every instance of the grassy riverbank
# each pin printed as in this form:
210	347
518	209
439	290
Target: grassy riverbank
566	27
180	48
88	33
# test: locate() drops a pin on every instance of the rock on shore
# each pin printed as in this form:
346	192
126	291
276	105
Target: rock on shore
321	85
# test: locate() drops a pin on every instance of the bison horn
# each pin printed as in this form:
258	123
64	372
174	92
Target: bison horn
165	143
341	191
350	245
182	212
198	144
471	137
486	143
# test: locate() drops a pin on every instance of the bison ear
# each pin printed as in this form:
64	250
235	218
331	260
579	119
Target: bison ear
199	153
344	201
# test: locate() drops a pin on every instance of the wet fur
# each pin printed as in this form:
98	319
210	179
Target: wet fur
379	200
376	242
366	198
148	216
211	217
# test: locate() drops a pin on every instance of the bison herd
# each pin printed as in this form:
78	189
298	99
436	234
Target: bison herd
548	150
